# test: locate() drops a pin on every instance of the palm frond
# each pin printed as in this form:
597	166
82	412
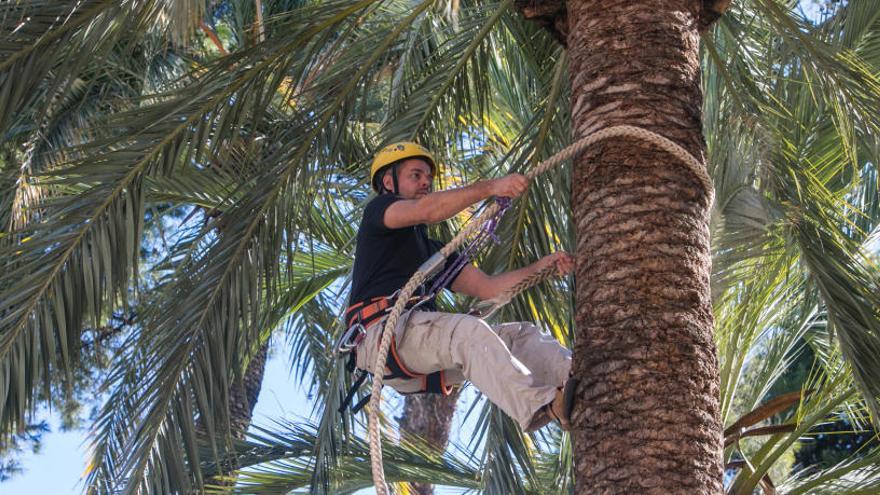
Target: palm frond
405	462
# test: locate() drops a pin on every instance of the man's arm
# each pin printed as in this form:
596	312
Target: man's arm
442	205
474	282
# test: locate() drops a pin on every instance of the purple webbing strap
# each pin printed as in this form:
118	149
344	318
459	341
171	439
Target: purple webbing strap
487	231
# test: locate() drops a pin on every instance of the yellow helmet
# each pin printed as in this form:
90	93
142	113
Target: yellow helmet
396	152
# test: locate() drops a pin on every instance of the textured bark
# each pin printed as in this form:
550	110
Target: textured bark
429	417
647	414
243	395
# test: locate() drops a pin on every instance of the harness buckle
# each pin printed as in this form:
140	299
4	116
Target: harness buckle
349	340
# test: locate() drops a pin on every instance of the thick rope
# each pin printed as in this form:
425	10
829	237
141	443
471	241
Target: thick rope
488	307
423	273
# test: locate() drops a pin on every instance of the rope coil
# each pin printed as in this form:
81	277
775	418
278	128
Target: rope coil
429	266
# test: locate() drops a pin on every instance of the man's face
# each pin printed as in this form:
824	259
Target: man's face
414	179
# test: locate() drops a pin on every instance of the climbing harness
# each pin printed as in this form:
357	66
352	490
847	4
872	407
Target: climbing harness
360	317
433	265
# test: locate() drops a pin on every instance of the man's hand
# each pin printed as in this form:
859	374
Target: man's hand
563	261
473	282
509	186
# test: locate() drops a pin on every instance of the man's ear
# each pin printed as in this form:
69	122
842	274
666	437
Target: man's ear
388	180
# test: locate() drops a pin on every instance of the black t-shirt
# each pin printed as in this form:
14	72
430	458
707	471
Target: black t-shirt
385	258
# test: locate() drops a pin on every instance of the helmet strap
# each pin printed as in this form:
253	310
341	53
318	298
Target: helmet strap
394	179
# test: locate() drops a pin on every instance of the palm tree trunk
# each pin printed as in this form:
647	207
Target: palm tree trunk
429	417
243	395
647	414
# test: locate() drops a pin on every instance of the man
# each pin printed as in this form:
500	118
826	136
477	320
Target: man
520	369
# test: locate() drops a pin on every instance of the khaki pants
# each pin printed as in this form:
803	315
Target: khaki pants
514	364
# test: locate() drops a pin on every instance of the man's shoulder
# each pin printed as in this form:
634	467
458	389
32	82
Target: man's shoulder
374	211
382	200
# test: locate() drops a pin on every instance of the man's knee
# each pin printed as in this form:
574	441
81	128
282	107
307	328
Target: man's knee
467	326
472	334
512	332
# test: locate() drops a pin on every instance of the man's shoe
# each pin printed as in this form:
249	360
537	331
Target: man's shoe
562	405
539	420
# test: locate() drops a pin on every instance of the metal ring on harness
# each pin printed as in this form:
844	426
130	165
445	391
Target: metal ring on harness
349	340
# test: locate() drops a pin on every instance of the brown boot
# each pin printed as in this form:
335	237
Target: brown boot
562	405
559	409
539	420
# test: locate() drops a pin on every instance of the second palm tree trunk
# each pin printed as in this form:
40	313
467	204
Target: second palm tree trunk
429	417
